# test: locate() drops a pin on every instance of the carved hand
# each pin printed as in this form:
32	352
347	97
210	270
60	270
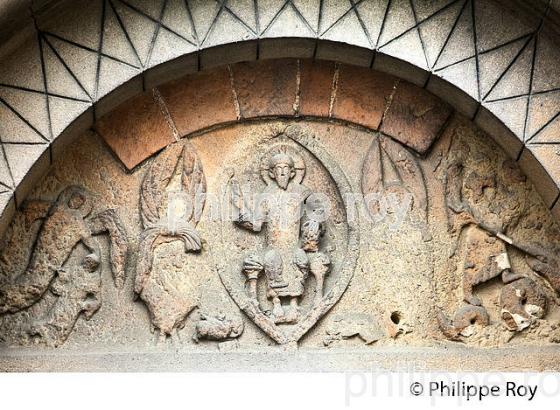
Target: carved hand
251	263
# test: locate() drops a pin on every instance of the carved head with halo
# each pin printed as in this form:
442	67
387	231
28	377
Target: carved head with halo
282	166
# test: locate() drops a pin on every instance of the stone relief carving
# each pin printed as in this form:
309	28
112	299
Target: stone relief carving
291	219
485	207
391	172
37	259
283	259
464	322
522	301
545	263
219	327
396	203
171	203
365	327
290	241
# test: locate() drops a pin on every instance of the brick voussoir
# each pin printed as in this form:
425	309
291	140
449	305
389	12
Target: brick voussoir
266	88
415	117
135	130
200	100
361	95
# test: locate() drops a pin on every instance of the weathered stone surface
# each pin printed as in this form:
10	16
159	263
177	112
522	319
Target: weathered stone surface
501	64
179	172
556	210
503	136
543	164
415	117
136	130
190	100
266	88
208	281
361	95
422	359
489	211
316	88
57	229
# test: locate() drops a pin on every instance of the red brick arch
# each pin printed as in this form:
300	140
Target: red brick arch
287	88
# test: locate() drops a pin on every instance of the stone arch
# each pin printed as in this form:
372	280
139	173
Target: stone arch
66	64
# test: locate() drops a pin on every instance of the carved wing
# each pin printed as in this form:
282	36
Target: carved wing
409	172
109	222
145	258
178	161
19	240
193	181
387	163
175	159
152	191
372	170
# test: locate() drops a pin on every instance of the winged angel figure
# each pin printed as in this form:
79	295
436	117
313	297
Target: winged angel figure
391	169
171	204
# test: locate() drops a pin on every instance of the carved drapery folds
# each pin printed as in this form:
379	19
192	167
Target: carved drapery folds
293	234
171	203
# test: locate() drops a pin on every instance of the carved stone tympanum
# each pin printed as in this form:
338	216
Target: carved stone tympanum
279	235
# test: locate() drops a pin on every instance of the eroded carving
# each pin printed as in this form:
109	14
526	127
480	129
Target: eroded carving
53	231
363	326
522	302
464	323
545	263
219	327
285	262
485	206
485	257
78	291
291	220
501	280
391	172
171	203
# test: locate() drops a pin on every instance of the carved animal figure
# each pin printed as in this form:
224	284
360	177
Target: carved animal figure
464	323
218	328
78	291
65	225
53	232
522	302
546	264
171	203
363	326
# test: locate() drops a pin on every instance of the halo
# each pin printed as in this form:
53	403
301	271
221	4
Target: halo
299	164
67	193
